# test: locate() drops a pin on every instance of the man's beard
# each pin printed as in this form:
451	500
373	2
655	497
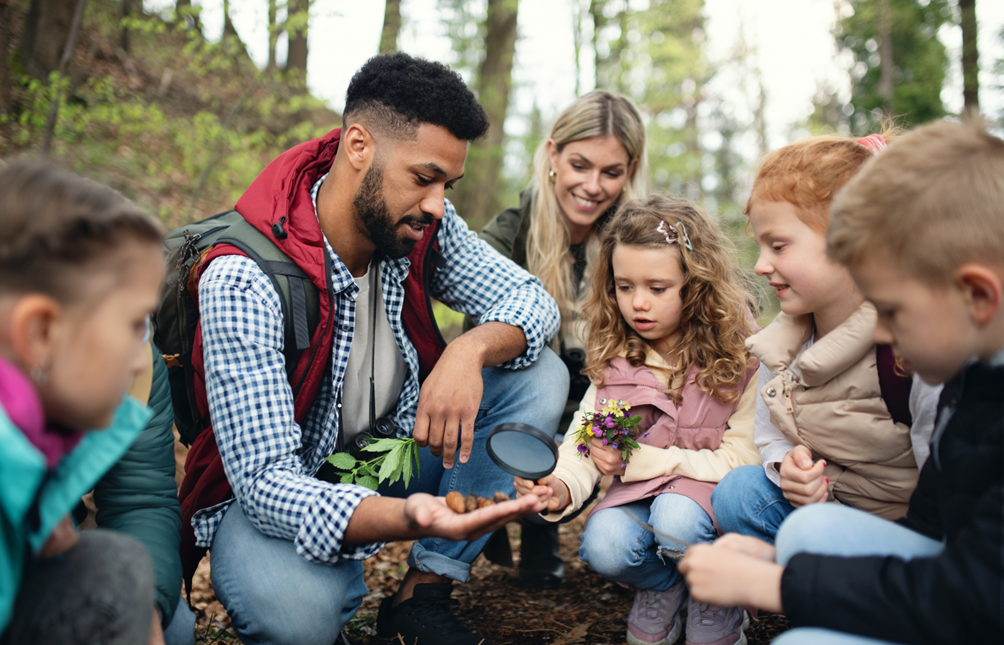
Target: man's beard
371	206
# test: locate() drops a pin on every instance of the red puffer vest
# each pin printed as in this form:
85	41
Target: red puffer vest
279	200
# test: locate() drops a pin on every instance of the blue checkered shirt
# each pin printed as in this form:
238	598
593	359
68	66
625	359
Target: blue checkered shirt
269	459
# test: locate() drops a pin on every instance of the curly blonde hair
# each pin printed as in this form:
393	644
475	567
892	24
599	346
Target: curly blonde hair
717	302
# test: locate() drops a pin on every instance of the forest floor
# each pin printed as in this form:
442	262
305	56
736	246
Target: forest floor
586	610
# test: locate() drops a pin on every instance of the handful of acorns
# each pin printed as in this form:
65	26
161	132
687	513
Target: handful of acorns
460	504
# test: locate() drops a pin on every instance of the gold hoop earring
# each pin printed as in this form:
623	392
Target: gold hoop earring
551	174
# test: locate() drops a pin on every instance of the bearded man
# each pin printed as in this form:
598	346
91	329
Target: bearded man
362	211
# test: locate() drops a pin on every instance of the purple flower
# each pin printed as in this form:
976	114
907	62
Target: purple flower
584	450
605	442
615	445
624	431
597	432
609	423
623	465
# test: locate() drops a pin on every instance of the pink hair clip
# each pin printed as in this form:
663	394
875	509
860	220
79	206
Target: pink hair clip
873	142
676	234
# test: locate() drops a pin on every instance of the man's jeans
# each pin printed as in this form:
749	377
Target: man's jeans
831	529
747	502
618	549
275	596
535	396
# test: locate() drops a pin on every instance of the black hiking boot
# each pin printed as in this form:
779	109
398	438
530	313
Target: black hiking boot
540	563
424	619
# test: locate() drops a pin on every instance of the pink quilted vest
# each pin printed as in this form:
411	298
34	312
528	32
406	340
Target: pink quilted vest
697	424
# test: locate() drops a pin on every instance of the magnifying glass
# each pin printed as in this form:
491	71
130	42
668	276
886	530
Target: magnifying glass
522	450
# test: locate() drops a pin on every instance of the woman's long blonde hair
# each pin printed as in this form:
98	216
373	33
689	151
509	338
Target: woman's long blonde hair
596	114
718	306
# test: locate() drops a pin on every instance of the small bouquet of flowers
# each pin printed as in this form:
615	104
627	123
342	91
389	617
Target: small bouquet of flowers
612	426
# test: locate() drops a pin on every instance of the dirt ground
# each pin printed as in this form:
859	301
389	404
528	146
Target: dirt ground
585	610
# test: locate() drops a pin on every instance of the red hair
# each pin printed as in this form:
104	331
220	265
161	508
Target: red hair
808	173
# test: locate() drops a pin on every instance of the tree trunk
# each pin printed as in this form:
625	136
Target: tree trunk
45	30
273	34
297	25
128	6
885	89
228	26
477	197
185	14
970	57
5	38
599	22
577	41
391	26
64	60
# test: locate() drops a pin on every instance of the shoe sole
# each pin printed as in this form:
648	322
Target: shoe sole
670	639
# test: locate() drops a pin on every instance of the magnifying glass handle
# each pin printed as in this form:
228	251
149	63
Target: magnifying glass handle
545	511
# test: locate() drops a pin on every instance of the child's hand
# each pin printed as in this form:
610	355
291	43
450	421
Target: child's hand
61	540
802	482
748	545
549	489
607	459
721	576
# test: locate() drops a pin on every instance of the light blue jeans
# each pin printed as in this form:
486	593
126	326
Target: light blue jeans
831	529
275	596
746	501
536	396
181	630
618	549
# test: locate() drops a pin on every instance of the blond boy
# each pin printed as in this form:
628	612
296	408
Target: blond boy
921	229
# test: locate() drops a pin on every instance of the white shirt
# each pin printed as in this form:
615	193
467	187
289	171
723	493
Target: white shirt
388	365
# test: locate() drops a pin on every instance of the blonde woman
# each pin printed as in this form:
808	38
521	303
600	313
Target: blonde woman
593	159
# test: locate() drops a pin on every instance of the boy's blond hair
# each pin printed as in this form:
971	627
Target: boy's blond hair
931	202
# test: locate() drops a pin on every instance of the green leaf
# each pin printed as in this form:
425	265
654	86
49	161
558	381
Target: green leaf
342	461
411	453
368	482
383	445
391	467
347	478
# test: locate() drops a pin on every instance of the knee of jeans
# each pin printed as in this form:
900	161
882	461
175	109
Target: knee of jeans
295	619
801	530
730	499
607	558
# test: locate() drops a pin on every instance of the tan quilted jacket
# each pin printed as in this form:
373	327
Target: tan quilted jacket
829	400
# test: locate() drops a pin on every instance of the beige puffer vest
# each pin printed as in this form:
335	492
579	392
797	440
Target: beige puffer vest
831	402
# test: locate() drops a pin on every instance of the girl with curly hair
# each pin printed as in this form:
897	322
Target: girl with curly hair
668	315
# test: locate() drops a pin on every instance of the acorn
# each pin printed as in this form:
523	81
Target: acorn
501	497
484	501
456	502
471	503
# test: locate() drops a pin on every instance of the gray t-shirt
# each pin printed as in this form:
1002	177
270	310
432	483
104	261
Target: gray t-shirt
388	364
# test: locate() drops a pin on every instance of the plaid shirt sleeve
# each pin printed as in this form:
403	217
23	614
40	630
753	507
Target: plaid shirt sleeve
251	406
477	280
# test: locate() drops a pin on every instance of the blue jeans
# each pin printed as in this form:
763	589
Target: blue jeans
274	595
618	549
181	629
536	396
747	502
831	529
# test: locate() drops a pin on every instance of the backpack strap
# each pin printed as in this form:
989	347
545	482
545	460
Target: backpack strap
297	294
894	384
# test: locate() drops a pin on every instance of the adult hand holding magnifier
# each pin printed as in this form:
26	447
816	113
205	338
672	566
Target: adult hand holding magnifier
524	451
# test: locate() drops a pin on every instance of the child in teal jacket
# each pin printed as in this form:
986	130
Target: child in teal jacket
80	271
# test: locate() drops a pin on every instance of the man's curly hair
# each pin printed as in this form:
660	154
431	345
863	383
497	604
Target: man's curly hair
397	92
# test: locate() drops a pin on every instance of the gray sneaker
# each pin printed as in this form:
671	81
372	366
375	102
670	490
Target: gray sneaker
713	625
655	616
